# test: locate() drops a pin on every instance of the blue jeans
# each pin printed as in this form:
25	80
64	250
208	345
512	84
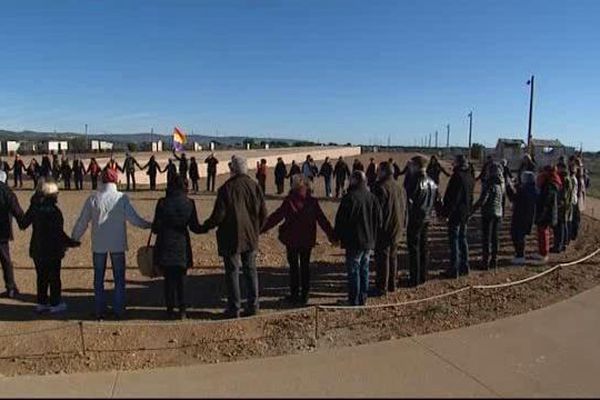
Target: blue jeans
327	186
459	249
357	265
118	267
245	262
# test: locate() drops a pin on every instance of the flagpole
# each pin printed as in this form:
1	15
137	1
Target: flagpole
529	135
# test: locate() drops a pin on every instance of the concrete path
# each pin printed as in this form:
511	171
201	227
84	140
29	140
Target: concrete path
554	351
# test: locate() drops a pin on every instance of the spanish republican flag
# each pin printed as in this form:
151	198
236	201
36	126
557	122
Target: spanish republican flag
179	139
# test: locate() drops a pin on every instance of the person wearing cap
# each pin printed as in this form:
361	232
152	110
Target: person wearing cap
392	203
211	172
239	213
357	222
109	211
48	245
457	205
9	208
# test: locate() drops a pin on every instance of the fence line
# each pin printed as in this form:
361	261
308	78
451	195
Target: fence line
316	315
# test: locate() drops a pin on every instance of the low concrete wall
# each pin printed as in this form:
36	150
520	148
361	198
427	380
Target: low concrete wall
253	156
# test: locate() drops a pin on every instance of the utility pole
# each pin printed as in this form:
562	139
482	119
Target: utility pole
389	141
429	140
470	130
448	135
152	140
436	139
529	133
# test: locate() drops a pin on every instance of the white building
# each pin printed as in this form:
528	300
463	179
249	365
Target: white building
197	146
55	146
101	145
157	146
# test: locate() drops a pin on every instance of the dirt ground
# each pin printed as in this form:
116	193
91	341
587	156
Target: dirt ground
55	344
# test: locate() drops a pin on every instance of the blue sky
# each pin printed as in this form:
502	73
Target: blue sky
328	70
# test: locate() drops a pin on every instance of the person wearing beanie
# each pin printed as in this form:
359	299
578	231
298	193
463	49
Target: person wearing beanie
108	210
457	205
48	245
9	208
391	201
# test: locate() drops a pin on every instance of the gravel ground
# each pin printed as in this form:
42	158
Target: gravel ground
47	345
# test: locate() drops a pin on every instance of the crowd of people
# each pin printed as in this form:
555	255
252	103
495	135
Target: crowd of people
374	216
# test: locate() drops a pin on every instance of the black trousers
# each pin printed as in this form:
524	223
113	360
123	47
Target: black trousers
67	182
94	179
130	176
174	287
490	227
210	181
280	187
246	262
79	182
262	182
339	187
386	263
152	181
418	250
7	267
299	261
195	185
575	223
18	179
48	277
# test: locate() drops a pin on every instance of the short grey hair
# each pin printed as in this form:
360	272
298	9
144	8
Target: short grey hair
238	165
358	178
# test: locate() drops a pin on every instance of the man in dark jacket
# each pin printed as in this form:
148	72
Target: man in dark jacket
18	169
341	172
391	201
239	213
211	172
183	165
9	208
175	214
46	168
458	203
294	170
65	172
129	167
420	204
280	174
326	172
171	170
357	222
371	174
546	216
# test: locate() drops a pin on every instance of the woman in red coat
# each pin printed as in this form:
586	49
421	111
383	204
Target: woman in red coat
298	233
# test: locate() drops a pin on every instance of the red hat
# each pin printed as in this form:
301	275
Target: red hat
110	176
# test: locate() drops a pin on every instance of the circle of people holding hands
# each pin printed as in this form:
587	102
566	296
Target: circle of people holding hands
375	214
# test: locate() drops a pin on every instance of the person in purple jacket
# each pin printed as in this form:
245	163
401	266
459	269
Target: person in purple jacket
298	233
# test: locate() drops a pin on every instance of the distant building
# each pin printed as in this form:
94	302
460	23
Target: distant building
157	146
197	146
10	147
55	146
547	151
101	145
510	149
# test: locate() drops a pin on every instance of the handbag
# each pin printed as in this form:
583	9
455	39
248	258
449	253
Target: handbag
145	260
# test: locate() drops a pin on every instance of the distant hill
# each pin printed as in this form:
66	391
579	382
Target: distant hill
142	137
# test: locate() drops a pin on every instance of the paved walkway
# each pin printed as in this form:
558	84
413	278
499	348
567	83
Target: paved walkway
554	351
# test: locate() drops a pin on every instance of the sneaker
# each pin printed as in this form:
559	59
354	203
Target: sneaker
60	307
42	308
519	261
